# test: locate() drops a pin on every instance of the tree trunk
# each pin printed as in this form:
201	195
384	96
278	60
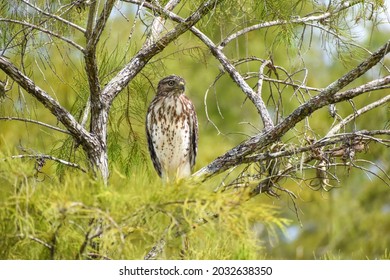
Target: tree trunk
97	152
98	160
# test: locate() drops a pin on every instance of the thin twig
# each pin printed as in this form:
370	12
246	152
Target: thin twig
63	115
48	32
65	21
47	245
311	18
35	122
205	103
158	23
263	110
328	95
49	157
358	113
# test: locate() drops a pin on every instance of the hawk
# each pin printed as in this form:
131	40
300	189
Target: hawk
172	130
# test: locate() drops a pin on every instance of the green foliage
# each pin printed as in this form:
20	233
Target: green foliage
54	213
49	219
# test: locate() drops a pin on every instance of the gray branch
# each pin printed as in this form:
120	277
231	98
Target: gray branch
358	113
227	65
35	122
51	104
49	157
311	18
158	23
97	30
378	84
48	32
327	96
58	18
93	34
121	80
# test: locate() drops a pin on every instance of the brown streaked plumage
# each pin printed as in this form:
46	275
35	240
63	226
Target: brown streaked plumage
172	130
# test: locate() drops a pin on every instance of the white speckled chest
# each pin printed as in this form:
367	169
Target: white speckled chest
170	134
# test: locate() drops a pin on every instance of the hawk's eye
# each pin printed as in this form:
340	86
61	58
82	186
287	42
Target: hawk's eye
171	83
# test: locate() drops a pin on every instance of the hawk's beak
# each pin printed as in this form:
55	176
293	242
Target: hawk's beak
182	85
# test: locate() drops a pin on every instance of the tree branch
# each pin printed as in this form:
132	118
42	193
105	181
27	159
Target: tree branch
48	32
298	20
93	33
33	238
268	124
158	23
35	122
97	30
358	113
227	65
49	157
325	97
65	21
323	142
378	84
115	86
54	107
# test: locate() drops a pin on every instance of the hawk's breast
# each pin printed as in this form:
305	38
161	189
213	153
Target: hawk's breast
170	121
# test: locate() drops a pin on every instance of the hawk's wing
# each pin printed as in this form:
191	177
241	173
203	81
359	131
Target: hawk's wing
152	151
193	135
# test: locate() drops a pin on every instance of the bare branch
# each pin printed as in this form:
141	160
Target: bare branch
358	113
156	250
311	18
91	19
49	157
33	238
55	108
205	104
378	84
326	141
227	65
263	109
93	33
93	38
48	32
286	82
236	155
158	23
35	122
65	21
135	65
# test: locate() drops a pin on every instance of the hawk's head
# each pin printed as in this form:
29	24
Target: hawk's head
172	85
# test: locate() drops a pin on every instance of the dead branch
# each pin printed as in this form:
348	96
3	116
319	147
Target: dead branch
49	157
358	113
53	16
158	24
130	70
62	115
297	20
34	122
327	96
43	30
